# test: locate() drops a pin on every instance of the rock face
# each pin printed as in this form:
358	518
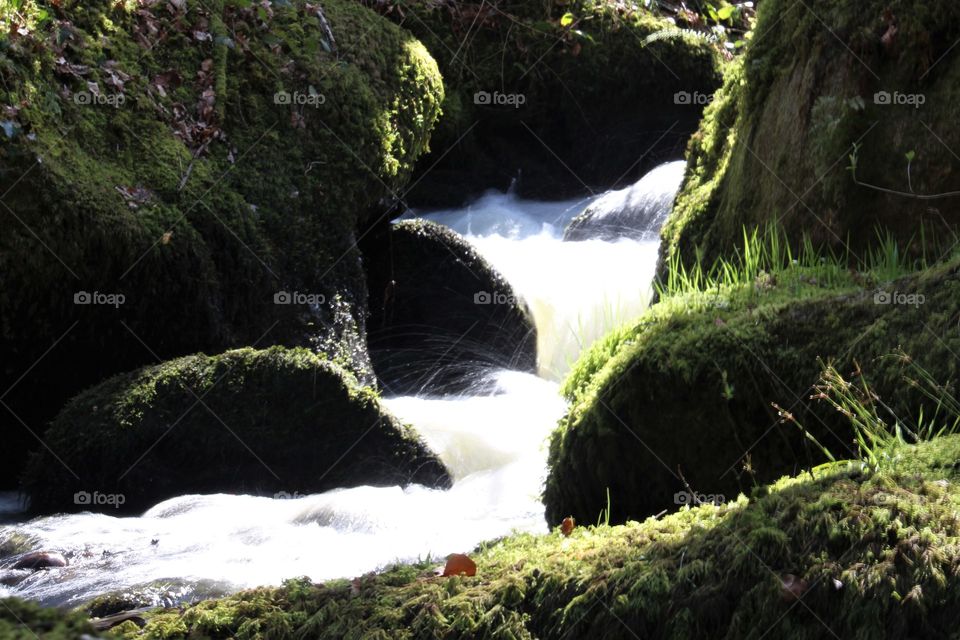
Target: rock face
562	106
685	399
246	421
183	177
636	212
820	90
439	311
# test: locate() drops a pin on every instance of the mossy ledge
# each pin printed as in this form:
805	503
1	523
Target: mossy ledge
249	421
846	552
684	396
196	158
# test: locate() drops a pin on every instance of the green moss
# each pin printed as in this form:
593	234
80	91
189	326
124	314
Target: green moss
259	422
872	554
199	195
774	146
687	391
21	620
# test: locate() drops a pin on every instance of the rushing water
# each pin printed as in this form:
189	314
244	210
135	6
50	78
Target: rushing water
494	444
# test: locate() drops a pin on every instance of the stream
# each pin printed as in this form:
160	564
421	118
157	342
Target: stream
197	546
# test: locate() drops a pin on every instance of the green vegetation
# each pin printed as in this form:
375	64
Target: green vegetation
257	422
20	620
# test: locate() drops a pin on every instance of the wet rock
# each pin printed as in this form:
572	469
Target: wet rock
439	311
636	212
40	560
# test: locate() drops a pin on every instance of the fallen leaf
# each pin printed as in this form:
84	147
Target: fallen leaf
569	524
459	564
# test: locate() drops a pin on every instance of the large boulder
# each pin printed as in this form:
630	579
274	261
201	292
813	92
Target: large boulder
439	311
826	87
635	212
566	96
684	400
246	421
188	176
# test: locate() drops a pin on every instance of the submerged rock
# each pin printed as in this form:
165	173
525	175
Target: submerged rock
39	560
837	86
439	312
683	401
636	212
187	176
271	422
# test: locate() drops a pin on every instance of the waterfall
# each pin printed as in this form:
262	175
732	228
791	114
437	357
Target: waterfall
494	444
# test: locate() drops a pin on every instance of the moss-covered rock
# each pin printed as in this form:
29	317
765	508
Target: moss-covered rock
439	311
683	399
258	422
196	158
596	82
842	552
818	79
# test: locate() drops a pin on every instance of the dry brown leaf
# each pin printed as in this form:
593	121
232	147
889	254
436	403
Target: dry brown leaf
459	564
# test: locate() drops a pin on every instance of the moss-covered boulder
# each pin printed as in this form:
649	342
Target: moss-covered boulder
565	96
846	553
439	311
683	400
246	421
825	87
171	171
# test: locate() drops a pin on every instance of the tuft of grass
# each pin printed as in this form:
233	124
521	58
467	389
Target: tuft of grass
767	255
877	429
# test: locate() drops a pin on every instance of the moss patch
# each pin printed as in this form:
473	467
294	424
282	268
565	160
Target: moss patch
246	421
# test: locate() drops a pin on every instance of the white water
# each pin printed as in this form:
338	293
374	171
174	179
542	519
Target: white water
494	445
577	291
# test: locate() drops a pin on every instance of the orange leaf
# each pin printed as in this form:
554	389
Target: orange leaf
459	564
568	525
